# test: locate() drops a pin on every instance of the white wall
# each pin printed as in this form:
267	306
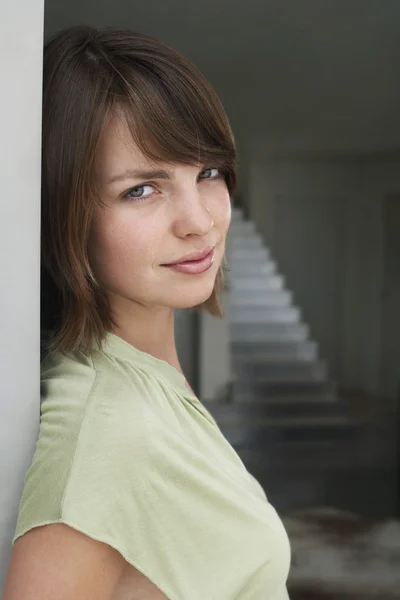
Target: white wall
185	336
21	25
294	202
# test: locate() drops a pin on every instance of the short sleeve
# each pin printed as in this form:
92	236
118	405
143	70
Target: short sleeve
64	396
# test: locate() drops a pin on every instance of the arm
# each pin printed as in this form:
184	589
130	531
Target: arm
56	562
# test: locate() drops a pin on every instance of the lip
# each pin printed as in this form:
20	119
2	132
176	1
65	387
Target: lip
194	263
193	256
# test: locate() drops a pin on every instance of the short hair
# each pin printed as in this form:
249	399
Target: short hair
174	115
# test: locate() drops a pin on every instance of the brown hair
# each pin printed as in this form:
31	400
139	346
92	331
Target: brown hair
174	116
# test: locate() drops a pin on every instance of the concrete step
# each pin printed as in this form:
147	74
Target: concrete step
248	242
264	436
259	412
271	372
236	212
327	396
260	285
250	255
269	332
246	270
292	460
264	314
263	389
242	228
278	298
274	351
245	266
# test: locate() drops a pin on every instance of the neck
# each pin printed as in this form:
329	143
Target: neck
150	330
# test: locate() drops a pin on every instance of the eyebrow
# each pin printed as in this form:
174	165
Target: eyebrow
138	174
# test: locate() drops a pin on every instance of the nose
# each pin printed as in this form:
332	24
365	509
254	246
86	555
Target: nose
192	217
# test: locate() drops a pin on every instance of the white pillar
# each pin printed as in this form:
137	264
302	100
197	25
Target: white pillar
21	43
215	354
215	369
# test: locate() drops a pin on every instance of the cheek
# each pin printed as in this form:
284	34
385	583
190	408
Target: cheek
116	245
222	210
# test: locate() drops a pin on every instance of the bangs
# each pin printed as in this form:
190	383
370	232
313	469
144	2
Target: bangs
175	119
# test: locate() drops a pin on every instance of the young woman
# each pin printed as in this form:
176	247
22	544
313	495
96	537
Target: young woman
133	492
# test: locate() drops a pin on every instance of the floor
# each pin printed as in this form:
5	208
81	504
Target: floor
352	468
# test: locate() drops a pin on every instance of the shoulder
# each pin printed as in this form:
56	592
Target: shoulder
66	383
92	419
77	385
89	405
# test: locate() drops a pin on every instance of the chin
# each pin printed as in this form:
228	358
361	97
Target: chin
189	298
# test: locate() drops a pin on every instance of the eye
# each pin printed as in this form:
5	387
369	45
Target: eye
140	192
210	174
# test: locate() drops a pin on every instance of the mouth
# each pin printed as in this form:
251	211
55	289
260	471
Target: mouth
194	263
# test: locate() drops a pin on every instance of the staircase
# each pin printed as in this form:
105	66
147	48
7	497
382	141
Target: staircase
282	413
273	356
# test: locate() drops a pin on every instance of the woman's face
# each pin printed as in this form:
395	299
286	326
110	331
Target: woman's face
156	219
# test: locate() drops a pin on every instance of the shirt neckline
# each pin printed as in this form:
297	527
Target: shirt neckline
116	346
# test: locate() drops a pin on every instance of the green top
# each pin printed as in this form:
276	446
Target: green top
128	456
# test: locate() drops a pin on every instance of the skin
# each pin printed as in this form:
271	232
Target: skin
139	230
131	239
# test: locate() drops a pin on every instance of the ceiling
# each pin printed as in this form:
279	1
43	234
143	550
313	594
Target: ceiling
294	75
